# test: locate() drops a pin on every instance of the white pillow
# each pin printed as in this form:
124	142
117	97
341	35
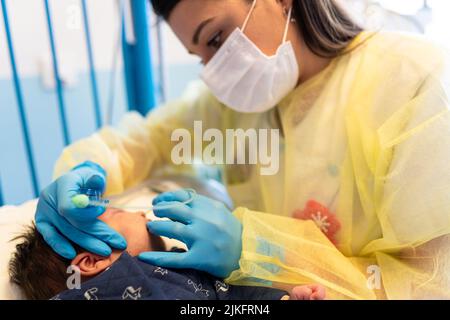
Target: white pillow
13	221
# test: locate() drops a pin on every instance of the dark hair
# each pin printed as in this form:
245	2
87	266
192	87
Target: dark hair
39	272
327	29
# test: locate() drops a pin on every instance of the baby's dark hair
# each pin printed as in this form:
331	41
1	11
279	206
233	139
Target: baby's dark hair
39	272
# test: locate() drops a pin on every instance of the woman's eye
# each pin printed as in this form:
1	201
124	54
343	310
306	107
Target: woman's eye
216	41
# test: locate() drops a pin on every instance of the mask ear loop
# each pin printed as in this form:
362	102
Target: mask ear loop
286	29
244	26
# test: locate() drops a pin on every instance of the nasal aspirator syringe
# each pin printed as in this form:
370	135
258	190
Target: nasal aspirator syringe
93	198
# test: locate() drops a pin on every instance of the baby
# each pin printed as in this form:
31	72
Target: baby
42	274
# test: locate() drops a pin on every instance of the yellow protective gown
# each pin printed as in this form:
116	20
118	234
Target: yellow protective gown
365	153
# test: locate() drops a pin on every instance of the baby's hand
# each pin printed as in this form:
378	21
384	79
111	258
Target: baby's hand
309	292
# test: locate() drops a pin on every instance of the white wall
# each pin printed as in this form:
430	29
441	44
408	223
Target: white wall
436	20
30	35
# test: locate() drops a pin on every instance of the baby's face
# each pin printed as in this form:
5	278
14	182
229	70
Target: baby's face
133	227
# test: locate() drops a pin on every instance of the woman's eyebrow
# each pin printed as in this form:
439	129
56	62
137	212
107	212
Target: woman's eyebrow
199	29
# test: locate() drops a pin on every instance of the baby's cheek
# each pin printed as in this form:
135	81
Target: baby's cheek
135	248
138	243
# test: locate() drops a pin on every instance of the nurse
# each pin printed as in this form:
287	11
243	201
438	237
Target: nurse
361	203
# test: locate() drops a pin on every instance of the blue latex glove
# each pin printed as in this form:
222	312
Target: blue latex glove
58	219
206	226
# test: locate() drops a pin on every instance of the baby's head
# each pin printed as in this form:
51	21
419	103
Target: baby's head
41	273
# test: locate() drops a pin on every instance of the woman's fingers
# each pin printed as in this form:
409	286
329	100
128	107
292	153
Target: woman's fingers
103	232
173	210
96	182
84	240
56	241
176	260
179	195
171	229
68	210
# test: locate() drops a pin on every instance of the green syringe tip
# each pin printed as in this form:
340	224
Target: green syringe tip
81	201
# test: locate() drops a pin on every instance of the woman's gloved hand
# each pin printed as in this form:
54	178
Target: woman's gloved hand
58	220
206	226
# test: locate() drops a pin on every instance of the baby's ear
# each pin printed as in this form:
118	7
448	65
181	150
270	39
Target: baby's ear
91	264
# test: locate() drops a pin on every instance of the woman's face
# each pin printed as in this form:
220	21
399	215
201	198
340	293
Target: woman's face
204	25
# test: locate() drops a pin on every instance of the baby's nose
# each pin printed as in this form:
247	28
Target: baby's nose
142	214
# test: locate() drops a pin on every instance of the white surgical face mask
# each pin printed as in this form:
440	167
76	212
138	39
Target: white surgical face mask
242	77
